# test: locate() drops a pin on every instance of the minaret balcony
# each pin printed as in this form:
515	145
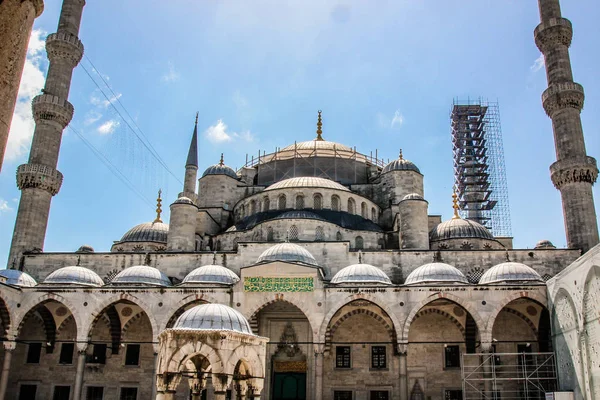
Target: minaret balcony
553	32
574	170
47	107
64	46
563	95
39	176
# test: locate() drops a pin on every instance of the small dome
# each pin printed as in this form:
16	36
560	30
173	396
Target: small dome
510	272
183	200
209	317
413	196
400	164
544	244
288	252
220	169
17	278
212	274
86	248
305	182
300	214
74	276
435	273
147	232
458	228
141	275
361	273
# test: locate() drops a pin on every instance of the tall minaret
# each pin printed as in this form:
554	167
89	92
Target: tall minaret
191	167
39	179
574	172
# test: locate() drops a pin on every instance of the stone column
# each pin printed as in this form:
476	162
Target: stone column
574	172
9	347
39	179
221	383
403	354
16	22
81	354
487	361
167	395
318	371
153	395
197	385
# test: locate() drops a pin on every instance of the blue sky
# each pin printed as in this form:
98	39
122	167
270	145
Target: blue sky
383	72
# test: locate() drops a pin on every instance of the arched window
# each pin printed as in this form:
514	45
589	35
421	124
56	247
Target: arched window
359	243
335	203
317	201
363	210
351	206
266	204
269	234
293	233
282	202
373	214
252	207
319	234
338	236
299	202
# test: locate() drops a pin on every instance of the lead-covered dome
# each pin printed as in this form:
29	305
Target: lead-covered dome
147	232
220	169
458	228
361	273
510	272
141	275
436	272
288	252
210	317
400	164
413	196
212	274
74	276
317	145
300	214
307	182
17	278
544	244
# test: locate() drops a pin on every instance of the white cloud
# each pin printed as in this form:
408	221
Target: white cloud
171	75
91	117
385	122
538	64
217	133
4	207
103	101
108	127
397	120
32	82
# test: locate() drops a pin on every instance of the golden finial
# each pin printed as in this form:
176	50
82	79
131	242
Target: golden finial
222	161
400	155
319	127
158	209
455	204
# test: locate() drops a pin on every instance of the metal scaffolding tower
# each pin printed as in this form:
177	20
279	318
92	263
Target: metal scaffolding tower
479	171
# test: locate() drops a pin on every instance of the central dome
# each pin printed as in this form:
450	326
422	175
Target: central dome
317	145
210	317
288	252
307	181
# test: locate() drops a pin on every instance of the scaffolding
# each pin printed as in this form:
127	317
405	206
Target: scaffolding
508	376
479	170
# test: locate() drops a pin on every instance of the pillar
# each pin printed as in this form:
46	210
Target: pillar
221	383
574	172
81	354
318	371
403	374
487	360
154	368
167	395
9	347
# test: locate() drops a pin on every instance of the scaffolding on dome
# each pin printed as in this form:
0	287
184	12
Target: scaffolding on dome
479	169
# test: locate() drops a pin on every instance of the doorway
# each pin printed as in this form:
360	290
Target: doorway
289	386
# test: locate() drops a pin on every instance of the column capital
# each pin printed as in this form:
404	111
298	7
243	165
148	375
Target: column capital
574	170
9	345
553	32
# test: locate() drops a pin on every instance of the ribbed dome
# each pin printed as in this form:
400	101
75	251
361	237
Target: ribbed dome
361	273
17	278
288	252
317	144
544	244
307	181
510	272
435	273
213	317
299	214
86	248
220	169
413	196
147	232
458	228
74	276
212	274
141	275
400	165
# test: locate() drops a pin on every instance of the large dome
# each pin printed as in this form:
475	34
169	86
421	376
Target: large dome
147	232
307	181
17	278
435	273
510	272
361	273
209	317
288	252
317	145
212	274
141	275
300	214
74	276
458	228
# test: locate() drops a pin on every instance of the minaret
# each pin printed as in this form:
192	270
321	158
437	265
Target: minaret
574	172
191	167
39	179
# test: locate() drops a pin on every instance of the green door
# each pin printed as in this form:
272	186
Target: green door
289	386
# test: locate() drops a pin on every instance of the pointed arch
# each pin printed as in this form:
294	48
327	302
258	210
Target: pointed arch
252	314
37	301
331	329
247	354
5	318
532	295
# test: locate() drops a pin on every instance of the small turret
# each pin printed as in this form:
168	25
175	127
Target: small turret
182	225
414	228
191	167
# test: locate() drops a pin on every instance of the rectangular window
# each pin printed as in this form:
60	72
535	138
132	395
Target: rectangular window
453	395
66	353
94	393
61	393
342	357
379	395
27	392
34	351
132	355
452	357
378	357
128	394
342	395
99	354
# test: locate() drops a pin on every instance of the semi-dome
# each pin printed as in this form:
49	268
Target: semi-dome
305	182
458	228
141	275
510	272
361	273
220	169
212	274
147	232
17	278
86	248
413	196
436	272
544	244
288	252
74	276
210	317
299	214
400	164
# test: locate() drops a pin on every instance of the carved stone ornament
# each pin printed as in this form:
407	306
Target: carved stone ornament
573	171
555	31
47	107
563	95
64	46
39	177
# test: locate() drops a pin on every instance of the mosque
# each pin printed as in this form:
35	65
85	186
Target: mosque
315	272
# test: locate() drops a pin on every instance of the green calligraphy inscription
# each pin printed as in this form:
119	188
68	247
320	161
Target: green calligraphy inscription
278	284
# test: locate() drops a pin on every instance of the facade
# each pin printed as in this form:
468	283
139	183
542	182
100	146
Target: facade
315	272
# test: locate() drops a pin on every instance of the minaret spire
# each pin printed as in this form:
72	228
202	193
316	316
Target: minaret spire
39	179
192	158
191	166
574	172
319	127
